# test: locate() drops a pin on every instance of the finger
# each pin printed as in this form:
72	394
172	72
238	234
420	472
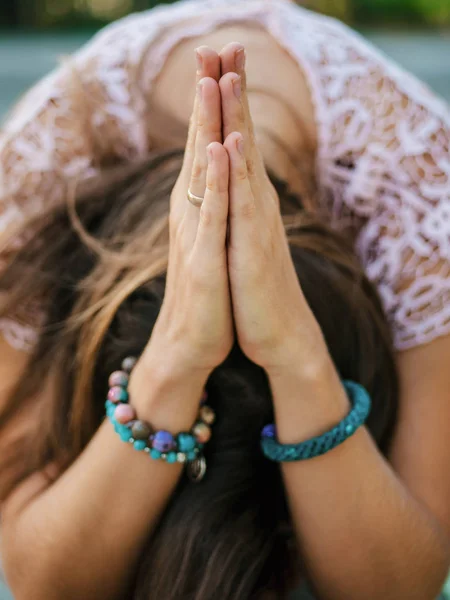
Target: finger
234	119
209	129
208	65
242	210
212	228
233	62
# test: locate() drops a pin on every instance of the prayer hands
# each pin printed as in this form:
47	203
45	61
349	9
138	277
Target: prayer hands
273	323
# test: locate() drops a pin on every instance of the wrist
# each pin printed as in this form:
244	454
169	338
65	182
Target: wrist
293	360
177	353
169	365
307	401
168	398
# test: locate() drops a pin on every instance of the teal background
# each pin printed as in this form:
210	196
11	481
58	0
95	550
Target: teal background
25	57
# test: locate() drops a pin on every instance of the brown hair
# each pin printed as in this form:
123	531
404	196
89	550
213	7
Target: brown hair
97	266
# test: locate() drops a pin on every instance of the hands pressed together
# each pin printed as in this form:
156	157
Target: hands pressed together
230	268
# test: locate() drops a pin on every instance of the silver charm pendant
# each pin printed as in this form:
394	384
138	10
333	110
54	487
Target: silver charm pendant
196	469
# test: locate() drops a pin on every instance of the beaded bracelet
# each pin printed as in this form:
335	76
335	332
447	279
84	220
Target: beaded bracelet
316	446
186	447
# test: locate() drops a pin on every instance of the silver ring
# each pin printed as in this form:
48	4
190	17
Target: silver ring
197	201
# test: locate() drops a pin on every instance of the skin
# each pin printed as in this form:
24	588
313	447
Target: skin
397	512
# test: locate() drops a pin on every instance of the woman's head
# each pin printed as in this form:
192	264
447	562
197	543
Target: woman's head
99	265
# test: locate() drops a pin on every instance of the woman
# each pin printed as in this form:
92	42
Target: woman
371	188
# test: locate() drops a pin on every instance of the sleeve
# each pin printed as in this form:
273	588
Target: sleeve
89	112
385	165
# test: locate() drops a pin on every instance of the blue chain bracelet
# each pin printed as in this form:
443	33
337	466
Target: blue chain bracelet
321	444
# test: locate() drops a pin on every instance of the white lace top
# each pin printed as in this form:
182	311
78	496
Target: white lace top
383	162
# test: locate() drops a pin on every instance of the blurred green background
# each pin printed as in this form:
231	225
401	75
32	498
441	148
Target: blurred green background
34	34
49	13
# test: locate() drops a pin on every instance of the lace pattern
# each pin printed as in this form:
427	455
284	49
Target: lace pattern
383	163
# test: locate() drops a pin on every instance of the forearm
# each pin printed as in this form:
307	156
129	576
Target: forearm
360	532
82	537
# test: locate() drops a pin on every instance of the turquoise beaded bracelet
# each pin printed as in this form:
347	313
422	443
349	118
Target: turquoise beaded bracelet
316	446
186	447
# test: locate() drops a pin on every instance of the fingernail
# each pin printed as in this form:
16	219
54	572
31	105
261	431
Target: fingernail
199	60
210	154
240	58
240	146
200	89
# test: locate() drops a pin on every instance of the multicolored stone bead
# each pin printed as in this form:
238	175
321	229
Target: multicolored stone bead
139	444
186	442
207	415
119	378
269	431
171	457
191	455
123	431
163	441
124	413
110	408
124	435
141	430
202	432
129	363
117	394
